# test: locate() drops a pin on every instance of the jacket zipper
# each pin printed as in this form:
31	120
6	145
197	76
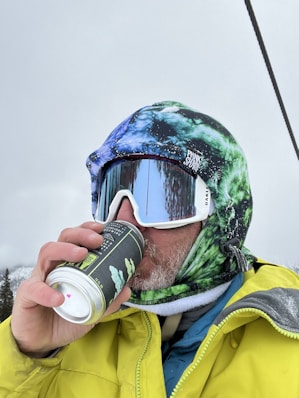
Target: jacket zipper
211	338
138	365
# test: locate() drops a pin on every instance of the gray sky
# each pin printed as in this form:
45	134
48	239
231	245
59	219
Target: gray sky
70	71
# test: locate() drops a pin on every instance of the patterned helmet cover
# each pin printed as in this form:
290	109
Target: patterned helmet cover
201	146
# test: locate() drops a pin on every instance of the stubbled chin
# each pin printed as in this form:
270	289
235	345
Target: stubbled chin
142	273
151	276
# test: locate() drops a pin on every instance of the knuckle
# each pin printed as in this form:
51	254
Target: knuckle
64	234
45	248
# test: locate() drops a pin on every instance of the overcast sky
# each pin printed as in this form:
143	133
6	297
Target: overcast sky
70	71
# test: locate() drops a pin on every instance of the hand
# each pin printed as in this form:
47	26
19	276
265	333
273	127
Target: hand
35	326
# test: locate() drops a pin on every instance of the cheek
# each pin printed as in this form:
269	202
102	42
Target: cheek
186	234
194	231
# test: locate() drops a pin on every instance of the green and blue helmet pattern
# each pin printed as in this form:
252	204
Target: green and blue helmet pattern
201	146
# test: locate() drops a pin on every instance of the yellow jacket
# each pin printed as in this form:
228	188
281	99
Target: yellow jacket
251	350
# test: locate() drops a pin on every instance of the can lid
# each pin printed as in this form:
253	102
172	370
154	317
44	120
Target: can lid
82	298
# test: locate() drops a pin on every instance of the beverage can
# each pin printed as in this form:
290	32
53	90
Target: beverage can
91	285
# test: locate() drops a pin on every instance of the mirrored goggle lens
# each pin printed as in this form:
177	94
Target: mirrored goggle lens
160	192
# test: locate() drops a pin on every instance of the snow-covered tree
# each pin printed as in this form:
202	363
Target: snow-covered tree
6	297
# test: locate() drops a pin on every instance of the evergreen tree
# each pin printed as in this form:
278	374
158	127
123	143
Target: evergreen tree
6	297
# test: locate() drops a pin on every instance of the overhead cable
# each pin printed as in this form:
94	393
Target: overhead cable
271	74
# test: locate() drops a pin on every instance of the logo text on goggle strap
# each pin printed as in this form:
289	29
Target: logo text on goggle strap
192	161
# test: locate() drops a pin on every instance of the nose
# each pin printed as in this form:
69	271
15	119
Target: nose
126	213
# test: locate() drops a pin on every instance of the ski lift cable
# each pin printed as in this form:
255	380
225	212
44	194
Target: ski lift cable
271	73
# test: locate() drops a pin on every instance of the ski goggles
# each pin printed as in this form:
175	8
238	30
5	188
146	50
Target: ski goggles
161	194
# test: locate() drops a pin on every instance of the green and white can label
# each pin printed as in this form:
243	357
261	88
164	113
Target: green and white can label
91	285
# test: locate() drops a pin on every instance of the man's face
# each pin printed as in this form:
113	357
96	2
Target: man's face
165	251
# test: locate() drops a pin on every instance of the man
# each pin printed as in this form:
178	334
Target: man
205	317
